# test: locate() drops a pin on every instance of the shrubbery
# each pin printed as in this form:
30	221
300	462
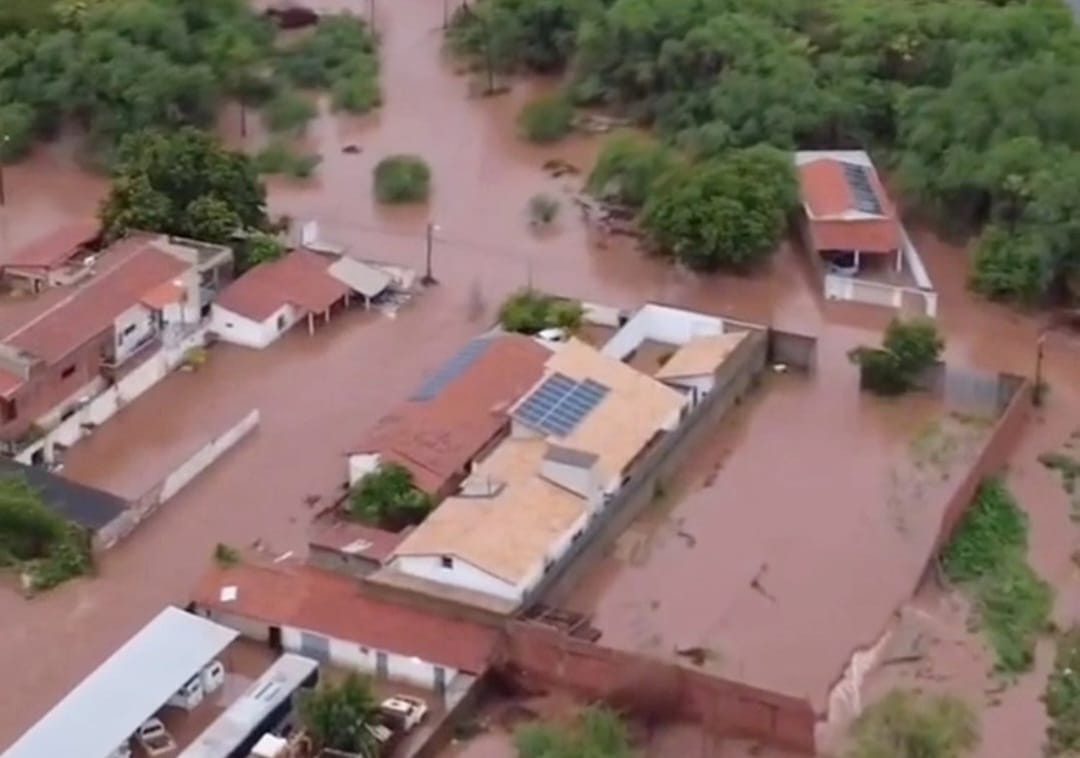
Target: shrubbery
288	112
908	350
402	179
387	497
529	311
546	119
279	158
628	167
906	724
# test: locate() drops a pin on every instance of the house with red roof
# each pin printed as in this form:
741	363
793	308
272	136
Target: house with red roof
83	338
53	259
272	297
851	228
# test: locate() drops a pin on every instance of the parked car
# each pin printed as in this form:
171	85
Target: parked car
154	738
402	712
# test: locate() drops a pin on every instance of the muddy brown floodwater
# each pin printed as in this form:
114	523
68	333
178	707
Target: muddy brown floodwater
316	394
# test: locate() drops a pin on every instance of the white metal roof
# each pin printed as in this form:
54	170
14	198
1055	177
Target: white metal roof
366	279
106	707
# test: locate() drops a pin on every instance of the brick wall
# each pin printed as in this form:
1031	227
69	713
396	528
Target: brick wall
647	688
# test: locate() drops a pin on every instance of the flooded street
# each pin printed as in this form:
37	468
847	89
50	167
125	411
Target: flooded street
317	393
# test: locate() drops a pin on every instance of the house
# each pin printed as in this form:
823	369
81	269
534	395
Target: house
102	516
693	366
144	289
52	259
269	299
455	416
332	618
849	220
575	439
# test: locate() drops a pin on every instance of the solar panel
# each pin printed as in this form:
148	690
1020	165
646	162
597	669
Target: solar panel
560	404
862	190
452	369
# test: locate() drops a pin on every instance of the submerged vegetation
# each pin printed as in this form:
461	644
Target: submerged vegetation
1062	696
969	105
402	179
529	311
987	556
908	350
387	497
905	724
596	731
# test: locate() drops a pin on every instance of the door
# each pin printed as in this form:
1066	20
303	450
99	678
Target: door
275	637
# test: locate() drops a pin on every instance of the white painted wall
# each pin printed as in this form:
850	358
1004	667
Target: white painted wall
702	385
463	574
131	328
361	464
232	327
662	323
207	454
579	480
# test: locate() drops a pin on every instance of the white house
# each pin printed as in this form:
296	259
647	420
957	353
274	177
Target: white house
329	617
272	297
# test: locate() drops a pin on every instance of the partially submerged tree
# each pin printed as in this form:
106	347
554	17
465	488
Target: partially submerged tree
336	716
727	213
596	732
529	311
908	350
388	497
402	179
543	209
183	183
904	724
628	167
546	119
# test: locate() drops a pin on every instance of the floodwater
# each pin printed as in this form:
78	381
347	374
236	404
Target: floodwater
317	393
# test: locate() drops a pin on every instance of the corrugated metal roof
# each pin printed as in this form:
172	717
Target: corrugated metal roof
112	702
368	280
88	507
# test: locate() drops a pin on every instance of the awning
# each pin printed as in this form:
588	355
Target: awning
361	277
112	702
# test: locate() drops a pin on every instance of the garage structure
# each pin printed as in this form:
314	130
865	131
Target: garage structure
101	713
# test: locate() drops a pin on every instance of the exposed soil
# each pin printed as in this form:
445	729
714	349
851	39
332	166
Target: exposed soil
317	393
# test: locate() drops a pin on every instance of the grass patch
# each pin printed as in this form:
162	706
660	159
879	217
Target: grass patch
988	558
905	724
279	158
1062	697
402	179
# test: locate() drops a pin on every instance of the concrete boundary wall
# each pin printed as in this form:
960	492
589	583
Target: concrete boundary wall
649	688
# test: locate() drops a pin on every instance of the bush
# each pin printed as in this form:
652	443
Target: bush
628	167
597	731
905	724
1010	265
279	158
16	131
543	209
356	92
388	497
987	555
402	179
529	311
226	555
727	213
259	248
288	112
908	350
339	45
337	716
1062	696
546	119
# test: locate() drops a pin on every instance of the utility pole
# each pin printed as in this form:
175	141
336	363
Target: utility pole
428	279
1037	393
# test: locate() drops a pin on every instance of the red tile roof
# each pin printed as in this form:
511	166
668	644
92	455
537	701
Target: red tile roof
436	438
57	247
337	606
9	382
299	278
93	307
333	533
166	293
827	195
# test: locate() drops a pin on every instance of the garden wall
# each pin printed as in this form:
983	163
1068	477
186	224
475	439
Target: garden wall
656	691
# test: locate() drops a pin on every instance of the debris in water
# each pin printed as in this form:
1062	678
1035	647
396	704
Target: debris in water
697	655
352	149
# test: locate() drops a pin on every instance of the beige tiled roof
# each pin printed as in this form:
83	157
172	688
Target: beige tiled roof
628	416
506	534
701	355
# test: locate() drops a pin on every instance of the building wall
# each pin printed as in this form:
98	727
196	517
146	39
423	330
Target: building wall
662	323
38	401
131	329
343	563
695	387
462	574
232	327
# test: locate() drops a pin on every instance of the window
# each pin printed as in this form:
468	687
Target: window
281	322
447	562
8	410
68	371
129	329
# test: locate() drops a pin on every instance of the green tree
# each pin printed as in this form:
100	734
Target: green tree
904	724
628	167
726	213
16	131
596	733
546	119
1011	265
387	496
336	716
183	183
402	179
529	311
288	112
260	248
908	350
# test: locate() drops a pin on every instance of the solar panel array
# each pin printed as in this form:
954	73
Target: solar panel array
451	370
858	179
560	404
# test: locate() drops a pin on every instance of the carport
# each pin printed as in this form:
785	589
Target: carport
106	708
370	281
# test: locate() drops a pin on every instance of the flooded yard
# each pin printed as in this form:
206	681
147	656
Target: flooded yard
793	516
810	502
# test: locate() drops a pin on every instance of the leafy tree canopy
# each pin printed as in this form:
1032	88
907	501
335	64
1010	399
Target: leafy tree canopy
185	184
336	715
388	497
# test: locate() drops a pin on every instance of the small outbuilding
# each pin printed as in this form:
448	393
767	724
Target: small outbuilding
49	260
272	297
